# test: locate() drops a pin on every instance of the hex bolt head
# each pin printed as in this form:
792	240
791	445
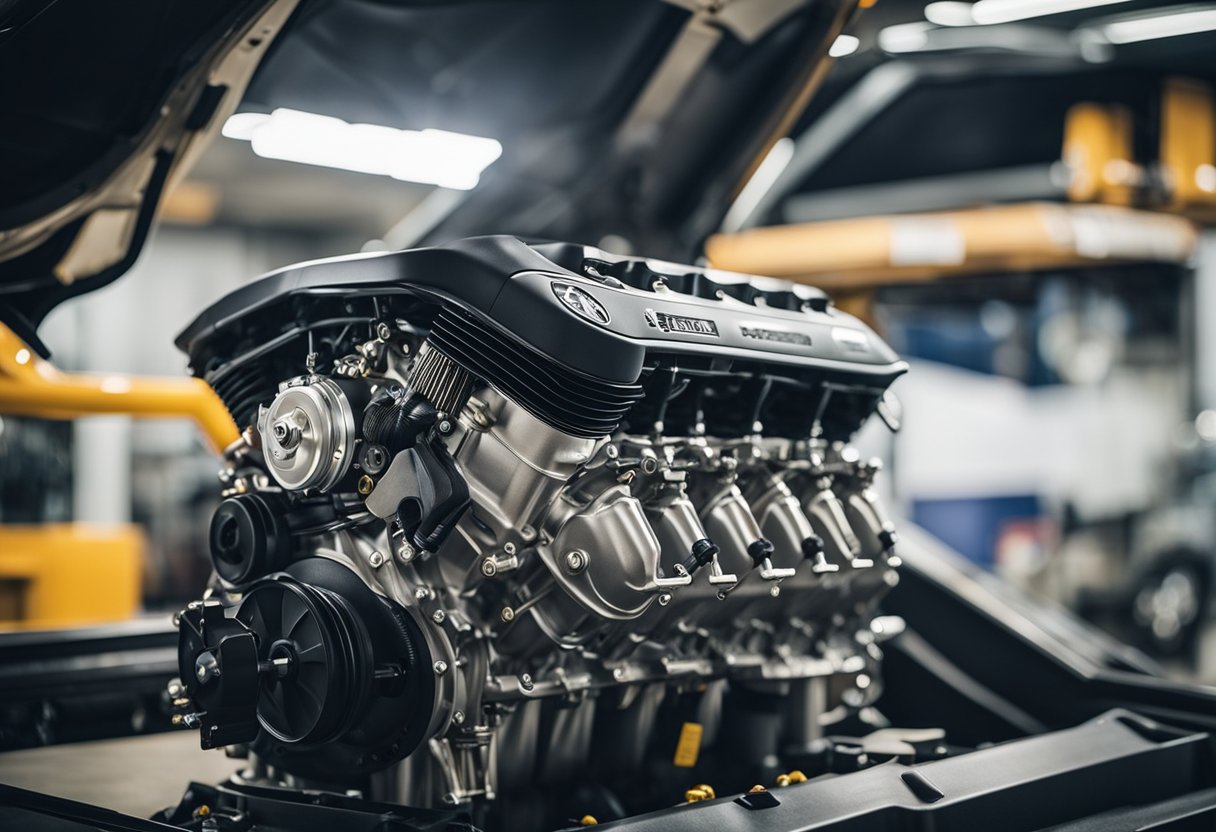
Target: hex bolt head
489	568
458	717
664	599
439	616
440	667
422	593
507	614
406	552
376	559
445	427
382	331
525	681
576	561
508	548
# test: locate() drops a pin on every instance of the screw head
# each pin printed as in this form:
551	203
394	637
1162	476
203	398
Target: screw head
507	614
406	552
422	593
489	568
664	599
440	667
458	717
365	485
508	548
445	427
525	681
376	559
439	616
576	561
382	331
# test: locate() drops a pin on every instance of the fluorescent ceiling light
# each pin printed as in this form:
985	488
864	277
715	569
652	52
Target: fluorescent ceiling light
1183	21
1006	11
432	157
949	13
904	37
843	45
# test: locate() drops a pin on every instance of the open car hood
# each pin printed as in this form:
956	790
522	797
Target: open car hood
634	117
106	106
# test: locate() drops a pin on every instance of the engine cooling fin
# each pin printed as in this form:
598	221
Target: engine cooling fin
571	402
444	382
242	387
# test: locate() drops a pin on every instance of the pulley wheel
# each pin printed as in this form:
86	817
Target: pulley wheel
316	660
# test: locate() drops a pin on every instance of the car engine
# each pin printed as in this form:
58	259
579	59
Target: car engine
512	519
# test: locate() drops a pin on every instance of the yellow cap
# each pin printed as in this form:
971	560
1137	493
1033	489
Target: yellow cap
588	820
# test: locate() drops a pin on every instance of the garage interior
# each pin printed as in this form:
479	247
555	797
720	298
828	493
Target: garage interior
1016	198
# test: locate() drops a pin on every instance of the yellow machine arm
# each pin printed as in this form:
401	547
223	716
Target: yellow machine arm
30	386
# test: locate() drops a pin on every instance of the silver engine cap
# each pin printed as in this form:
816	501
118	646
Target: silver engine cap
308	433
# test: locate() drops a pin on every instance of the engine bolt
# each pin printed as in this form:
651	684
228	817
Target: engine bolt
383	332
439	616
458	717
664	599
445	427
365	485
527	533
440	667
376	560
406	552
174	689
525	681
576	561
508	548
422	593
507	614
489	568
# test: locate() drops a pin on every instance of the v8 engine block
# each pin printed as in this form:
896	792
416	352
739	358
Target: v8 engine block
509	517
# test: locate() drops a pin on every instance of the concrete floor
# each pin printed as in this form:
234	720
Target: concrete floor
139	775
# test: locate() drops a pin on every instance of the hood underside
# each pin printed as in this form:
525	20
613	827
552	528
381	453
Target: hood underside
622	116
107	104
